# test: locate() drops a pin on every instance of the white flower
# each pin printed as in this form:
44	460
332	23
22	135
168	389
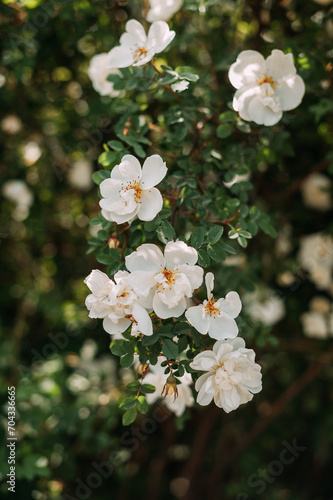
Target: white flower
11	124
265	87
98	72
79	176
156	377
117	303
17	192
136	48
316	192
316	257
264	305
130	191
216	317
314	325
232	375
237	178
323	2
165	282
163	10
31	153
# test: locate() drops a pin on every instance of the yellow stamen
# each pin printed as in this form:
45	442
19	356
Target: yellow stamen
141	51
267	79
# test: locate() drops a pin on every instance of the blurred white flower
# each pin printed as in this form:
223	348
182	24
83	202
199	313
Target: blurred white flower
163	10
79	175
316	192
77	383
316	257
314	325
264	305
136	48
18	192
130	191
98	72
216	317
265	87
323	2
156	377
11	124
164	281
232	375
237	178
283	242
31	153
117	303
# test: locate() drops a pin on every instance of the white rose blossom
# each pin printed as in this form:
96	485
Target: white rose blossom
316	192
130	193
216	317
116	303
163	10
232	375
265	87
98	72
136	48
165	281
264	305
316	257
156	377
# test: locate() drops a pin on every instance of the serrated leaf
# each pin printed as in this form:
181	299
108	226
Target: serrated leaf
165	232
267	228
148	388
128	347
117	348
150	340
99	176
242	241
228	248
133	386
116	145
113	268
152	225
165	213
142	404
197	237
127	360
129	416
129	403
203	258
169	349
214	234
182	343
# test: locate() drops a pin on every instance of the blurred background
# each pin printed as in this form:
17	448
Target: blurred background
71	444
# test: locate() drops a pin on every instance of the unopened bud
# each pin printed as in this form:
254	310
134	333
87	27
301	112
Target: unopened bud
142	369
170	388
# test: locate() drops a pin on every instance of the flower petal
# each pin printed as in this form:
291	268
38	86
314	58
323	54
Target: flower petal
141	282
198	318
143	319
242	99
194	275
134	28
97	281
153	171
204	361
110	188
113	328
151	203
209	281
147	257
247	68
280	66
231	305
117	218
120	57
223	327
177	253
159	36
262	115
129	170
164	312
290	92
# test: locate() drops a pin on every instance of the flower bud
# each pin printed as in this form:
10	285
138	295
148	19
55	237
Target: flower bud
142	369
170	388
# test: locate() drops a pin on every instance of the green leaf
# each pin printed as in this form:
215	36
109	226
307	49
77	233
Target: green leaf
133	386
165	213
99	176
117	348
152	225
96	221
148	388
142	404
128	347
113	268
182	343
115	254
150	339
242	241
105	259
106	158
217	253
102	235
169	349
129	416
165	232
197	237
223	131
203	258
228	248
129	403
267	228
139	151
214	234
127	360
116	145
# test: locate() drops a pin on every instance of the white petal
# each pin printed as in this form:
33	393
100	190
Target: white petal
164	312
280	66
198	318
231	305
134	28
118	218
223	327
144	58
147	257
247	68
143	319
194	275
242	99
290	92
113	328
153	171
151	203
159	36
204	361
129	170
209	280
120	57
262	115
110	188
202	380
141	282
97	281
177	252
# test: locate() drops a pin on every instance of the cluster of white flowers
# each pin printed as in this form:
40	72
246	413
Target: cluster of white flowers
264	305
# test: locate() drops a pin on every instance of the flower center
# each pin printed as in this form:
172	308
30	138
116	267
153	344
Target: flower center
141	51
267	79
169	276
137	190
211	309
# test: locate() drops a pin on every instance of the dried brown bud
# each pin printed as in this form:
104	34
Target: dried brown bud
142	369
170	388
